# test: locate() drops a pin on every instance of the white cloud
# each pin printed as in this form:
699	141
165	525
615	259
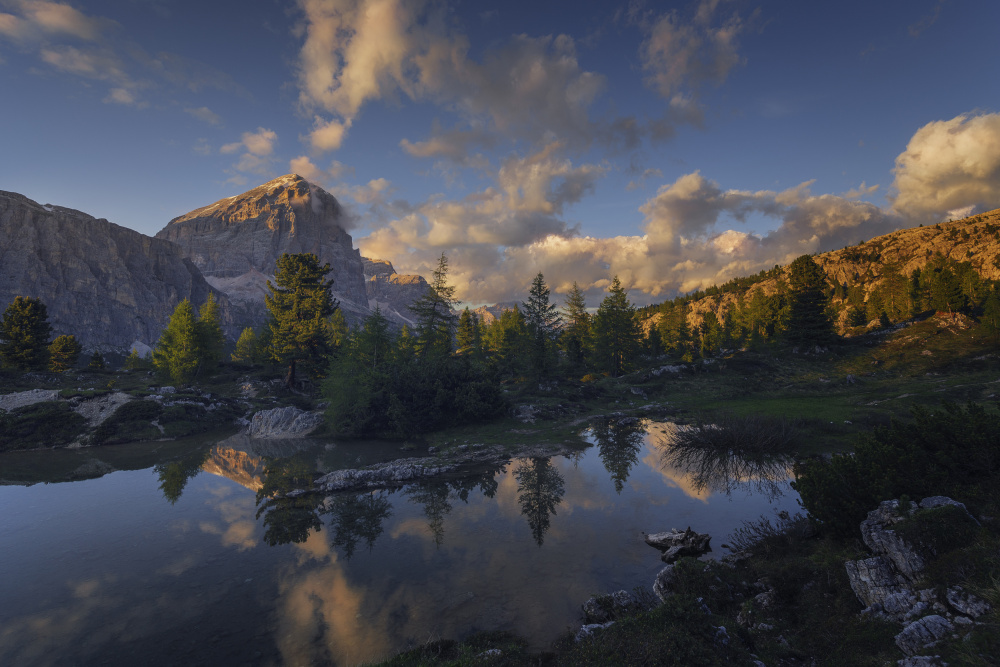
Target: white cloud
205	114
948	165
256	159
121	96
304	167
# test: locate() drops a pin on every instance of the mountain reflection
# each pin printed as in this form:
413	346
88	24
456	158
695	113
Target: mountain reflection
288	501
540	488
709	467
619	442
357	517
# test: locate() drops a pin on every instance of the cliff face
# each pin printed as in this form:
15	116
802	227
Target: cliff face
236	242
108	285
392	292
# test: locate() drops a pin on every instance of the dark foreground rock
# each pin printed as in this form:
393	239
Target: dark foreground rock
677	543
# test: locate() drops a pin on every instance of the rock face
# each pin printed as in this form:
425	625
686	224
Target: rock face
392	292
108	285
236	242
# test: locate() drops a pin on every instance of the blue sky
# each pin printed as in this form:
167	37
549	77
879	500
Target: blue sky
673	144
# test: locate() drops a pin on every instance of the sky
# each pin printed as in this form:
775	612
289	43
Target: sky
673	144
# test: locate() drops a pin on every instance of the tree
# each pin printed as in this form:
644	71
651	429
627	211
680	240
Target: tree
299	303
246	351
176	354
540	489
543	322
576	333
435	321
24	334
808	320
468	338
210	337
617	333
64	353
96	362
991	316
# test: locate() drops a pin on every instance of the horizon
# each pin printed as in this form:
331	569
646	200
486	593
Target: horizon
676	145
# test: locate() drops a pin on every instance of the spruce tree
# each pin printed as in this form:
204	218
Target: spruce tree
543	320
24	334
435	321
617	334
808	321
64	353
299	303
210	337
177	353
576	334
96	361
467	336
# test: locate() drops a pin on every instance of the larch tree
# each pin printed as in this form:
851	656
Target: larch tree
210	337
617	334
435	321
64	353
177	353
576	336
299	303
24	334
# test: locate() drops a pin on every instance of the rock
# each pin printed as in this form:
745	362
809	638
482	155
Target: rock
526	414
664	583
23	399
603	608
877	533
236	242
923	633
588	630
287	422
677	543
880	587
109	286
921	661
392	473
966	603
391	292
166	390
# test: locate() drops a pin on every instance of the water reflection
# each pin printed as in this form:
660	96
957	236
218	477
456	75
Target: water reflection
709	468
288	501
357	517
540	488
174	475
619	442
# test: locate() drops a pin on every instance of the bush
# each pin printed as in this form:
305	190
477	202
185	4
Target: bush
954	451
129	423
45	424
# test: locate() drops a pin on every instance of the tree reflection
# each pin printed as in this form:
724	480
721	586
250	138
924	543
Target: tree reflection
540	487
434	497
619	442
485	480
723	468
174	475
288	501
357	517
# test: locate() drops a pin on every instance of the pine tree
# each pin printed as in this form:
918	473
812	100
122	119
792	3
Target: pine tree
299	303
210	337
246	351
576	337
64	353
467	337
24	334
177	353
808	320
435	321
617	334
543	322
96	362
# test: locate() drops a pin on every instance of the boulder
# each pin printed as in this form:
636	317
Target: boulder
880	587
878	535
677	543
923	633
603	608
966	603
664	583
287	422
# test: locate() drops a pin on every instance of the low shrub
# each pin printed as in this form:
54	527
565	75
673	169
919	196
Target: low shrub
45	424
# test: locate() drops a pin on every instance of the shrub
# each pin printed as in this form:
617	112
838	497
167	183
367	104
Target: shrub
45	424
129	423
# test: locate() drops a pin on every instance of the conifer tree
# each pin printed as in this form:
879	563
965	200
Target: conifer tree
991	316
617	334
96	361
467	338
808	320
177	353
133	361
246	351
64	353
435	321
299	303
24	334
576	337
210	337
543	320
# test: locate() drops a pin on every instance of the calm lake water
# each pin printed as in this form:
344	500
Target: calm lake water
170	559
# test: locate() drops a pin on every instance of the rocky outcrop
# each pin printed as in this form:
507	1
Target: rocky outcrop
888	583
108	285
287	422
383	475
236	242
677	543
392	292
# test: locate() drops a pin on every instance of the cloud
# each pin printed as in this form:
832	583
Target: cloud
679	54
304	167
121	96
948	165
205	114
50	18
256	159
640	182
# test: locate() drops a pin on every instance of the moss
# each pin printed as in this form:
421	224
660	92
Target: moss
45	424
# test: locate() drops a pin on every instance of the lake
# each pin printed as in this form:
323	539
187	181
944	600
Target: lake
159	553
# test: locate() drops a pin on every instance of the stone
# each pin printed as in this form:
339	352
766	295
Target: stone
588	630
966	603
664	583
923	633
22	399
921	661
381	475
880	587
603	608
108	285
677	543
877	533
287	422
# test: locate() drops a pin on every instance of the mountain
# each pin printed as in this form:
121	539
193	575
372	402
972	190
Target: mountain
108	285
490	314
236	242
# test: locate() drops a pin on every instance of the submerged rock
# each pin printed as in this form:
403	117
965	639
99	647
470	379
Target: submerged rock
677	543
287	422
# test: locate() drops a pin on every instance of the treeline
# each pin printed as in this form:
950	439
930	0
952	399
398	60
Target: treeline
24	340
